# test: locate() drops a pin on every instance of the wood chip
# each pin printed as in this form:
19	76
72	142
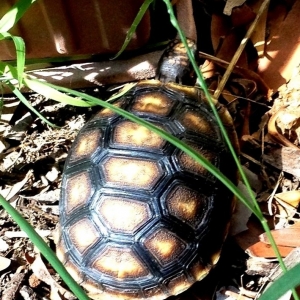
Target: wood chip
290	261
260	266
11	289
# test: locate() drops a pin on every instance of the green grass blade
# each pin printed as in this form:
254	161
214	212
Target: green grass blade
14	14
134	25
8	72
27	104
53	93
20	53
44	249
286	282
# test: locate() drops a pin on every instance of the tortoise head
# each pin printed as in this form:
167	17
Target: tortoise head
174	64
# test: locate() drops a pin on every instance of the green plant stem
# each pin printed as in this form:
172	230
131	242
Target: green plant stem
134	25
44	249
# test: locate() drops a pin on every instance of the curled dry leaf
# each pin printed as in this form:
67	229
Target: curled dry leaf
291	197
284	126
12	191
284	207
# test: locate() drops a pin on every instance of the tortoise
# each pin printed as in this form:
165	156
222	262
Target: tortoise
139	218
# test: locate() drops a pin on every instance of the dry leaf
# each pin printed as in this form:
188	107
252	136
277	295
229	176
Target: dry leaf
230	4
286	207
284	237
12	191
41	272
241	214
4	263
261	249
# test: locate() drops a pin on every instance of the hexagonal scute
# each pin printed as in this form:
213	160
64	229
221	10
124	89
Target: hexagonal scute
78	191
186	204
120	263
83	235
128	133
154	102
133	173
123	215
86	145
197	122
188	164
165	246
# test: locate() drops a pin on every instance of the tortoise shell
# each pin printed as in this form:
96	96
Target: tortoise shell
139	218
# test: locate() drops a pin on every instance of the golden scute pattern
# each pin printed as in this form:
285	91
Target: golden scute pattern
155	102
199	271
124	215
83	235
86	145
129	133
190	165
193	121
135	173
120	263
164	246
78	191
106	112
185	204
178	284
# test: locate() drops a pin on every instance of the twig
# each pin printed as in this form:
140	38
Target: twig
240	50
